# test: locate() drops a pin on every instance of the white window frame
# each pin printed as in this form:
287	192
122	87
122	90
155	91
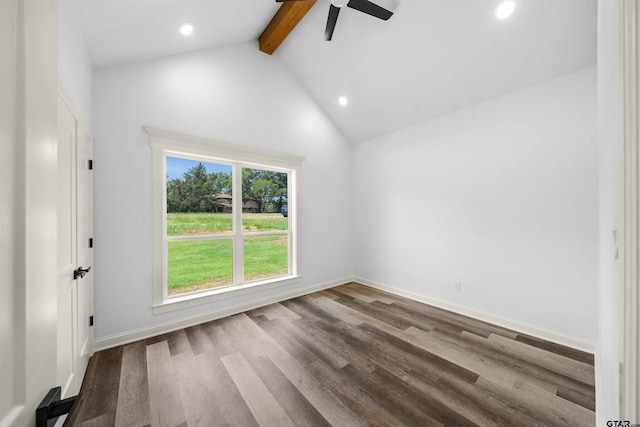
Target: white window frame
171	144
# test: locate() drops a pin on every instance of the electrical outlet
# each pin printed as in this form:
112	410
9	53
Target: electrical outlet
457	286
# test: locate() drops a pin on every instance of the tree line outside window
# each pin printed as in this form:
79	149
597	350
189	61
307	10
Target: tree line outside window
198	190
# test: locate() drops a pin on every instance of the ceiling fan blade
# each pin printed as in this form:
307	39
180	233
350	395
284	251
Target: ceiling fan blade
331	22
370	8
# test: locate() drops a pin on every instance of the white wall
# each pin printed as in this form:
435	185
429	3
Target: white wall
28	82
501	197
9	216
74	64
234	94
610	128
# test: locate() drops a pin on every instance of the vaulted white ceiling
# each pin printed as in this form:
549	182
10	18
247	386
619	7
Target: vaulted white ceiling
431	58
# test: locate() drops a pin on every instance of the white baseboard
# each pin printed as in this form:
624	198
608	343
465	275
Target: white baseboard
496	320
150	331
127	337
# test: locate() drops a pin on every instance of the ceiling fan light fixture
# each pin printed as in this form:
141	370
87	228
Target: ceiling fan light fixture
505	9
339	3
343	101
185	29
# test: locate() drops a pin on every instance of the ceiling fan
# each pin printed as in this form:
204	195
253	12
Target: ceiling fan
364	6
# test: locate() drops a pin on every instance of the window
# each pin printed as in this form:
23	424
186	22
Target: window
224	219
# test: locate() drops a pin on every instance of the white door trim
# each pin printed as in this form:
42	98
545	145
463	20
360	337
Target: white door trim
630	224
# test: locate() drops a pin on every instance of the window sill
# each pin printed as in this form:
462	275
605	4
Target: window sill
203	297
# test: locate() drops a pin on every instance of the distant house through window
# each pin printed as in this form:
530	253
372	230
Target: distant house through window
225	202
219	226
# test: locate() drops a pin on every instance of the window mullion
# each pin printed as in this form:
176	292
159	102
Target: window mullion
238	244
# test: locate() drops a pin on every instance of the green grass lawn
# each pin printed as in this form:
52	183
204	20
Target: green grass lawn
203	264
265	256
198	223
216	223
199	264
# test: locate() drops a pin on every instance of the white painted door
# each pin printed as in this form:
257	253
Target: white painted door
75	228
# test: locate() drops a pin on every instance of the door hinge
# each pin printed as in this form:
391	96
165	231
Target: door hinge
90	242
90	165
90	320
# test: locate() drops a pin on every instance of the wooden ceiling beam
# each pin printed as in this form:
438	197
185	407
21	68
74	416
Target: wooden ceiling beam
283	22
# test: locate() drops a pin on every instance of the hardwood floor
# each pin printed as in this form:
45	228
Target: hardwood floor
348	356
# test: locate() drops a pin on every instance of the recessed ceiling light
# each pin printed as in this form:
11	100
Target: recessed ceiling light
505	9
186	29
343	101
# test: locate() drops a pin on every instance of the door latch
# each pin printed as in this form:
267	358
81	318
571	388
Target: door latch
80	272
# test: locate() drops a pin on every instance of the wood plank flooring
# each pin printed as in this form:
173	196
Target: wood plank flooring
348	356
